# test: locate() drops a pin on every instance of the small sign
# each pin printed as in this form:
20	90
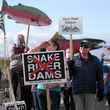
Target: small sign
44	67
11	106
70	25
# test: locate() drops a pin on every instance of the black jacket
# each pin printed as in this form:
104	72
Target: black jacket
87	76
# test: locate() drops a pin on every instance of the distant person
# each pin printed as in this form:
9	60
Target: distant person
87	78
107	87
106	70
16	68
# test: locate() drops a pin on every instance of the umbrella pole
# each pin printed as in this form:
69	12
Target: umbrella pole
71	47
4	51
27	38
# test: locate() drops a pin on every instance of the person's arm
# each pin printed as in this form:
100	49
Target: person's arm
70	68
26	49
99	78
100	81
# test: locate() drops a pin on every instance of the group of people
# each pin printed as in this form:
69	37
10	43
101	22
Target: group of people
84	86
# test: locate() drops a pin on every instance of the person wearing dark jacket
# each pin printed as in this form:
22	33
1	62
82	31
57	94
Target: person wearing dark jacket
86	72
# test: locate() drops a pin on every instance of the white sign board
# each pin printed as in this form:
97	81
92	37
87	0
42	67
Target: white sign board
10	105
70	25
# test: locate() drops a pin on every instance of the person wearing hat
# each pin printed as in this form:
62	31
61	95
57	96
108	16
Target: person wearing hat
21	92
87	78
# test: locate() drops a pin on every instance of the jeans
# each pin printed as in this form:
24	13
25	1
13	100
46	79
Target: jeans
40	100
36	101
55	100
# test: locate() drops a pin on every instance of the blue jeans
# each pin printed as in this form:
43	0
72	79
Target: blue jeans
55	100
36	101
40	100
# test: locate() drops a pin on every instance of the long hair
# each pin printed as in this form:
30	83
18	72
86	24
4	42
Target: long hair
55	43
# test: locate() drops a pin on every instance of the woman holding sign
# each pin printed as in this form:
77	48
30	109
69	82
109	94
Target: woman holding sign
49	94
54	88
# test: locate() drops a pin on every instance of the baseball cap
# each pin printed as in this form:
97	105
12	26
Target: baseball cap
85	44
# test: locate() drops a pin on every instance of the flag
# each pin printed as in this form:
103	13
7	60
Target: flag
2	26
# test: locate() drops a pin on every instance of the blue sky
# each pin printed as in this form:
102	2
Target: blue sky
95	14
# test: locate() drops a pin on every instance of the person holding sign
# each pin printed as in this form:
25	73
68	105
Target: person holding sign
16	68
54	89
49	94
87	78
39	94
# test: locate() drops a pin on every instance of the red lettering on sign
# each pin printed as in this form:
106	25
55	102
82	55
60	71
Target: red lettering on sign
43	66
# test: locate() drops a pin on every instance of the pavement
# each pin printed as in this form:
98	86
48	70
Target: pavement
99	105
103	105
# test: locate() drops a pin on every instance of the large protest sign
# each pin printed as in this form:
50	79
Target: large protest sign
11	106
44	67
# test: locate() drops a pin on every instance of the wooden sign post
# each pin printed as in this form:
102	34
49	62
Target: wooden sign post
71	47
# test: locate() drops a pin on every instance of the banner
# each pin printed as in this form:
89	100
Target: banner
44	67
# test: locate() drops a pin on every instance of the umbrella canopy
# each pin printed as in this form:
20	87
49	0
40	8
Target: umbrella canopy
65	43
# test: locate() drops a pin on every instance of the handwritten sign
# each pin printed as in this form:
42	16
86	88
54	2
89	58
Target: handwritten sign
44	67
70	25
